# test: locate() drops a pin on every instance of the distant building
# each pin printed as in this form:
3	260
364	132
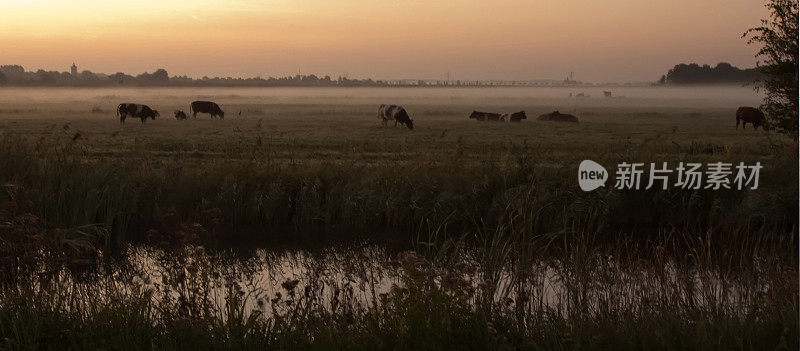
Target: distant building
570	80
74	70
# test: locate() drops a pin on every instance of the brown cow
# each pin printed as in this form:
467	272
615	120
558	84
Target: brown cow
747	114
206	107
558	117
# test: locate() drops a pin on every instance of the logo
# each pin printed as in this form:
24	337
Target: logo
687	175
591	175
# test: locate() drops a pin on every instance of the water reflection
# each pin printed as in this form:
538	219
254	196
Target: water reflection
267	282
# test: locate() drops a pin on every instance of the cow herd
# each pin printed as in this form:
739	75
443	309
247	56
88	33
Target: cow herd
398	114
519	116
498	117
144	112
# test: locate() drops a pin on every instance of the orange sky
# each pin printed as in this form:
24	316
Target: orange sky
601	41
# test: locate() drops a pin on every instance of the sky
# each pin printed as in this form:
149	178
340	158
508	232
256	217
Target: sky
600	41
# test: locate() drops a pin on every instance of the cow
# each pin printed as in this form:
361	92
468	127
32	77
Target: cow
747	114
180	115
484	116
135	110
558	117
206	107
514	117
395	113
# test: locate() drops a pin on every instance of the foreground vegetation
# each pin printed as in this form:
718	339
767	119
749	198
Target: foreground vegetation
492	213
498	297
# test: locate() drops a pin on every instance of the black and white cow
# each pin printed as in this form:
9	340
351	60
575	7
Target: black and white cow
206	107
395	113
514	117
126	109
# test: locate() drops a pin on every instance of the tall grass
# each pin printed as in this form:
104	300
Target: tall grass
68	188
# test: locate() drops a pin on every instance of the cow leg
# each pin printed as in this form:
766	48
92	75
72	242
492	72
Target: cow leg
122	118
737	123
395	123
194	114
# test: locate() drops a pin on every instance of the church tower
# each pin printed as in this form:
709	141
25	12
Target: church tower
73	70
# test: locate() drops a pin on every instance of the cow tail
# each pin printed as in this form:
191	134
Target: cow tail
118	107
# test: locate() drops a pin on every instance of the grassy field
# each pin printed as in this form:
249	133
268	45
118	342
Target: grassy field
315	166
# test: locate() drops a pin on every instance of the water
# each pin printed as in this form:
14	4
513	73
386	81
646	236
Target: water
365	276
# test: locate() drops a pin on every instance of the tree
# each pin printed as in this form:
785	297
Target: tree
120	78
723	73
13	73
45	77
160	75
89	76
778	35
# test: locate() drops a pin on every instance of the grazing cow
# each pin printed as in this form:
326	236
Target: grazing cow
747	114
135	110
514	117
395	113
180	115
206	107
485	116
558	117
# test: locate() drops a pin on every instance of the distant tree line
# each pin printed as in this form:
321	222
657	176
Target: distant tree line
15	75
723	73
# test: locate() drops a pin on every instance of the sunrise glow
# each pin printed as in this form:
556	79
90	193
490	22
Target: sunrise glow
620	40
